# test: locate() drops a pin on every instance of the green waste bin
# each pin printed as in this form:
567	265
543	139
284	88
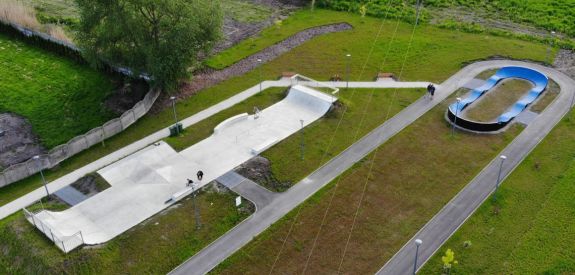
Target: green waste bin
176	130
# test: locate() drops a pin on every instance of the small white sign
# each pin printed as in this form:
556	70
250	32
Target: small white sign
238	201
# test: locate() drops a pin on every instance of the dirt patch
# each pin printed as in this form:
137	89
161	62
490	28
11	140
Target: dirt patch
18	142
126	96
91	185
486	19
565	62
258	169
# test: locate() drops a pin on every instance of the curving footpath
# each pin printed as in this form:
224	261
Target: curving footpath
442	225
455	213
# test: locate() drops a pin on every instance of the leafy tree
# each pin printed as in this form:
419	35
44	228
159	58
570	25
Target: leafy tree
160	37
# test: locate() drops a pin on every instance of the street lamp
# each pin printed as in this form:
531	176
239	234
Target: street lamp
173	98
196	209
502	158
302	139
37	159
417	13
551	44
260	72
418	242
348	69
456	114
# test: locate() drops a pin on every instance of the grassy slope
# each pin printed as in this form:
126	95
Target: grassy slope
533	230
412	178
153	247
436	54
60	98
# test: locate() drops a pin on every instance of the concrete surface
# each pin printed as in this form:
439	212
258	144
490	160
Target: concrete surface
142	183
70	195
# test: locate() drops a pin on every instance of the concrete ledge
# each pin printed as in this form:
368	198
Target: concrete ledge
230	121
264	146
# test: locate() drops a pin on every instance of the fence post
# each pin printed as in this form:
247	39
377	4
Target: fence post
63	247
33	219
134	114
82	236
52	234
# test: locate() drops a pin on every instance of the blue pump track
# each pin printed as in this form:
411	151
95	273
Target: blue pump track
539	81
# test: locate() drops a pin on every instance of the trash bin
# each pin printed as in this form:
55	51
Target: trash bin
176	130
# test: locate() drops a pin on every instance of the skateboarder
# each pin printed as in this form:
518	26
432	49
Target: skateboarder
200	175
190	183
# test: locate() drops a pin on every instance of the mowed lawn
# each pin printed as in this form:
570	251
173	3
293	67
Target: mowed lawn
398	188
59	97
530	228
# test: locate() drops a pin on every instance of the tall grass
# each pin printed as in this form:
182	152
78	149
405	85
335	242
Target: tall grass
16	12
12	11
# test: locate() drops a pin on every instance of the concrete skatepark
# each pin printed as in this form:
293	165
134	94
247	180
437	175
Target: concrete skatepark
152	179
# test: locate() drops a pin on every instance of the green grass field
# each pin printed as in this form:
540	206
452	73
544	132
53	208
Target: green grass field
497	100
411	178
529	229
154	247
60	98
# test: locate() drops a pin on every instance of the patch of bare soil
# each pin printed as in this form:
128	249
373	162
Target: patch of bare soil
126	96
258	169
485	19
18	142
565	62
90	185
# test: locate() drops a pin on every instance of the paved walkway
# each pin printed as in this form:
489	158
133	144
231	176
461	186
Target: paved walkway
442	227
30	198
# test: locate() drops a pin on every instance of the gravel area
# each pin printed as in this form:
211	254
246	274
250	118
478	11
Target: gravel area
17	140
565	62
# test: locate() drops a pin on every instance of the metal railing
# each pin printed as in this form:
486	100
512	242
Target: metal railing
64	243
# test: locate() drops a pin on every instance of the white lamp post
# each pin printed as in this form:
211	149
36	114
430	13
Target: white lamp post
260	72
456	114
348	70
418	242
502	158
37	159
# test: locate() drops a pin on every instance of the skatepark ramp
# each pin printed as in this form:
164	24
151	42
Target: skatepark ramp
64	243
539	81
156	177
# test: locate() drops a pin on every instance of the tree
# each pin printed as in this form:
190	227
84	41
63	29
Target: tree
160	37
312	5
